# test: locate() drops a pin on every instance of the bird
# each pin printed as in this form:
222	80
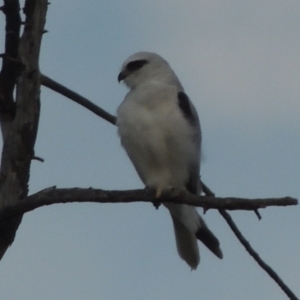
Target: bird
160	130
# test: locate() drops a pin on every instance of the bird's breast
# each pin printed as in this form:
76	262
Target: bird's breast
157	139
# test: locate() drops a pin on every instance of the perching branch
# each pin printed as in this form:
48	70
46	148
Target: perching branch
53	195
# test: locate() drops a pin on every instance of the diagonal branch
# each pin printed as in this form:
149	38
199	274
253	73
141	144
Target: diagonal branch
256	256
59	88
250	250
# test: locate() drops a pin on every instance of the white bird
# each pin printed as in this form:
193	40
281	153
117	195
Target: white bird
160	131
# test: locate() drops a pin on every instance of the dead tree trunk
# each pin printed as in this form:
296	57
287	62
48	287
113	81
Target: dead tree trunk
19	116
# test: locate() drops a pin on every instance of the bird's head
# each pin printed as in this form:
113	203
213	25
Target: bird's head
145	66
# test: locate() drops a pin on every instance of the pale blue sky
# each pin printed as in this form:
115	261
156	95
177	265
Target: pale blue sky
239	62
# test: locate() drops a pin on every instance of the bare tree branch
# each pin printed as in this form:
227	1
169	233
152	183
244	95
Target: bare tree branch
54	196
256	256
59	88
250	250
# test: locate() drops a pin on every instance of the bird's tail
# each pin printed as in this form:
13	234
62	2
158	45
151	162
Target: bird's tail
186	243
209	239
188	227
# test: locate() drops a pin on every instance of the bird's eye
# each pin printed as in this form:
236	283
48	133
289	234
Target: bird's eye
136	65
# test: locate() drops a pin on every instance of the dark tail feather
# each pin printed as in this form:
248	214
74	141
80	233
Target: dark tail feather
209	240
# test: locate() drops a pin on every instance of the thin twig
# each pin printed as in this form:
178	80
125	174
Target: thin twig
38	158
257	214
59	88
250	250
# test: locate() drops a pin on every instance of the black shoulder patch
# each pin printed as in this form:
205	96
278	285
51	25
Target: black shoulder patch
185	106
192	186
136	65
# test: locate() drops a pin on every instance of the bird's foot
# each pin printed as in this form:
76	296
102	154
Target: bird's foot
158	192
156	202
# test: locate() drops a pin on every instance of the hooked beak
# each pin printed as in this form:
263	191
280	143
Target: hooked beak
122	76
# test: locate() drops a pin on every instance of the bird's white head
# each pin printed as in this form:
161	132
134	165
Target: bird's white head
146	66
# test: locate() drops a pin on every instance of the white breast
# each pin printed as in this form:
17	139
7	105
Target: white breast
157	137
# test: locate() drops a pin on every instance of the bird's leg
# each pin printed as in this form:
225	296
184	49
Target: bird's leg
158	194
156	203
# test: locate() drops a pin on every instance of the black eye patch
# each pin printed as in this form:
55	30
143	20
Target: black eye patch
136	65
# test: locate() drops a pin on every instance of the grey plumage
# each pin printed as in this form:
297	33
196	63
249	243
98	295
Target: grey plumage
160	131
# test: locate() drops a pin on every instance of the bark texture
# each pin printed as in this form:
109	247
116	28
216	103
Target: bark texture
19	125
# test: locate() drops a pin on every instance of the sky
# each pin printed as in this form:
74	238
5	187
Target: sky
239	63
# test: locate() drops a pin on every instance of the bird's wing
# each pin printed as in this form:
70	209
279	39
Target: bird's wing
188	224
189	112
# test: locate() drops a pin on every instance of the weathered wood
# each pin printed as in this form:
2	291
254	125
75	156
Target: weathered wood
53	195
10	64
19	137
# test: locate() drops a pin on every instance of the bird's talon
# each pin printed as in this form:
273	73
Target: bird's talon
156	204
205	209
